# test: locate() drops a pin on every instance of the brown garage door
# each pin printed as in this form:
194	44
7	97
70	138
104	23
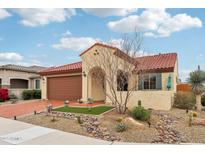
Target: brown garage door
65	88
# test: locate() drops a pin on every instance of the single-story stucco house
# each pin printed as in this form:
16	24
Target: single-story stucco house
74	81
17	78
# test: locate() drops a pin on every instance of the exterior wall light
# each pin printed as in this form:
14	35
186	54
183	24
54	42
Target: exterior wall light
84	74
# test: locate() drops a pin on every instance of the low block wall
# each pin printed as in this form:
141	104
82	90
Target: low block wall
157	100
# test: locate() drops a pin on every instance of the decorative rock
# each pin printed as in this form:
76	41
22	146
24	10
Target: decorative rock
89	124
166	133
198	121
131	121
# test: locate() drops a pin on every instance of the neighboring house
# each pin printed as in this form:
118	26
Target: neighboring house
74	81
18	78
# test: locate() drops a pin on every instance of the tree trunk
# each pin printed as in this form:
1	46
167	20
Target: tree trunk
198	102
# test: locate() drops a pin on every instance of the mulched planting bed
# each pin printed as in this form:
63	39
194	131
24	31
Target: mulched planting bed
85	110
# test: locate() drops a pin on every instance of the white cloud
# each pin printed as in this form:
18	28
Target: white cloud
18	59
200	57
155	23
40	17
67	33
40	45
4	14
10	56
75	43
105	12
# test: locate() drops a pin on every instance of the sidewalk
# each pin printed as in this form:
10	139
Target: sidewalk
19	133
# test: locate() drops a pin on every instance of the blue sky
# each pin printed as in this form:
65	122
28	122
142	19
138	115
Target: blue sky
58	36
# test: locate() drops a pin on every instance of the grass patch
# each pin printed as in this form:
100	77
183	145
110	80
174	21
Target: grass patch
94	110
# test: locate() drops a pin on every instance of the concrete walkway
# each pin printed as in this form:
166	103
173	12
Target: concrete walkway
19	133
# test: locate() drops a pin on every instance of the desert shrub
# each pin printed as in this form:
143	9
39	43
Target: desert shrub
203	100
37	94
79	120
140	113
194	114
139	103
184	100
119	119
12	96
121	127
90	100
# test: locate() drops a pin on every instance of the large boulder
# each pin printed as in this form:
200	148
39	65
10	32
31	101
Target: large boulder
132	122
198	121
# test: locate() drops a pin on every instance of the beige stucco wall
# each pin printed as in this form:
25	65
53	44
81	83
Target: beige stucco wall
6	75
96	91
158	100
155	99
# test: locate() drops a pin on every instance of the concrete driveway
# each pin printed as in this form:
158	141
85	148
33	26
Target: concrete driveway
26	107
20	133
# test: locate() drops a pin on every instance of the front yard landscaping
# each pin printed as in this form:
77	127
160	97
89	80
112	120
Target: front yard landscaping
165	126
85	110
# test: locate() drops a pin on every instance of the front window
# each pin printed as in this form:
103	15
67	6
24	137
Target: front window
37	84
153	82
149	81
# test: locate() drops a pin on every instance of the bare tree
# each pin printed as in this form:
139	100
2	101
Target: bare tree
117	67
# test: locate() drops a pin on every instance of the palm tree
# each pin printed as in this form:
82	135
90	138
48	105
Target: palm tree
197	79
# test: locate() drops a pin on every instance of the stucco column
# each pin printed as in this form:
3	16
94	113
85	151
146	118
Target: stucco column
85	87
44	88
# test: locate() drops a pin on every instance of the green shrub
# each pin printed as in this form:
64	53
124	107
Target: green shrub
140	113
121	127
184	100
1	100
31	94
27	94
37	94
12	96
203	100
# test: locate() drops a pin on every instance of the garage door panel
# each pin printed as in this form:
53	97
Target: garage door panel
63	88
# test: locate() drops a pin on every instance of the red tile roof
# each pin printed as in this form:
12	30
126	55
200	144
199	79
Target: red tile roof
160	62
73	67
156	63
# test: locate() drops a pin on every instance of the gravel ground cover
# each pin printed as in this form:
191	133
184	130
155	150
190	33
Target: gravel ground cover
170	127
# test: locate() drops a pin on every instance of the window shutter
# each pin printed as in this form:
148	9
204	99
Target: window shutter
140	83
159	81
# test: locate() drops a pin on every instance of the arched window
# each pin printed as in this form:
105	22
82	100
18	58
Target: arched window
122	81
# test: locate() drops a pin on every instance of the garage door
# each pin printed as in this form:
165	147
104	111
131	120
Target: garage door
65	88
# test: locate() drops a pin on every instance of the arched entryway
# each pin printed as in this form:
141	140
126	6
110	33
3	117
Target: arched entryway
96	84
